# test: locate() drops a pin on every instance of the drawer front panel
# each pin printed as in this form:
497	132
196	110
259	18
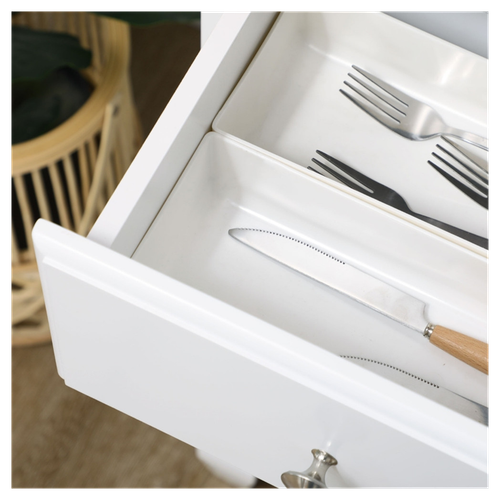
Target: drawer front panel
158	366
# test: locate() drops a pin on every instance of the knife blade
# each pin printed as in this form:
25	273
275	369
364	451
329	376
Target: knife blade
366	289
450	399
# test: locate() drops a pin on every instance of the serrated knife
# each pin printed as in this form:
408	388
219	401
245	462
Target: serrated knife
432	391
366	289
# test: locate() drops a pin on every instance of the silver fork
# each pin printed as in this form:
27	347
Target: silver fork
401	113
364	184
472	169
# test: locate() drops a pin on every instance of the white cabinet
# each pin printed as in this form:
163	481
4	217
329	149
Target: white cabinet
161	315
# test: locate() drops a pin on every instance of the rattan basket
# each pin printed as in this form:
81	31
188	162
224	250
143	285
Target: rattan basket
69	173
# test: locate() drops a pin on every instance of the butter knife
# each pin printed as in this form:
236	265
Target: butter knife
440	395
366	289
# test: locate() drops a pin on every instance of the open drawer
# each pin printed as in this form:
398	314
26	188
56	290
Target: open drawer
161	315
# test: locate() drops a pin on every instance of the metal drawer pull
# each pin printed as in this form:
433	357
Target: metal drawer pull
314	477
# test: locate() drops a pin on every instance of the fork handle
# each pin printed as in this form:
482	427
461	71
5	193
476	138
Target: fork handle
473	238
476	140
467	349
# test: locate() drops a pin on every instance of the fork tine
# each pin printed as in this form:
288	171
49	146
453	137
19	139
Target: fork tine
358	176
483	201
340	178
478	186
400	96
383	96
475	159
481	177
382	116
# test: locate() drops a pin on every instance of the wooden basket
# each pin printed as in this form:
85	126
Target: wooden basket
68	174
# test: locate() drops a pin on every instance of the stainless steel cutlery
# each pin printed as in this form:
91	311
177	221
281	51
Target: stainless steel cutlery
465	171
415	120
400	112
364	184
364	288
445	397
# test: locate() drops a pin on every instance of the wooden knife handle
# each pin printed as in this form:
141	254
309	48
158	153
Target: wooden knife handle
469	350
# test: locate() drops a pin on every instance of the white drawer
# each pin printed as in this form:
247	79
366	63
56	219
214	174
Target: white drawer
161	315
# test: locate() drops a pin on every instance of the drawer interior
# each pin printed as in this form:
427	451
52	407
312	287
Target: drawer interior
228	184
250	172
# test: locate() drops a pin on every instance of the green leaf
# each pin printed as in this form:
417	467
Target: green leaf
149	18
35	54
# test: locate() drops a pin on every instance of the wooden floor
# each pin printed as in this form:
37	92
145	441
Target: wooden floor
63	439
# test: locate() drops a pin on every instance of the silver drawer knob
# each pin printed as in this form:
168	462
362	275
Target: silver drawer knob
314	477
